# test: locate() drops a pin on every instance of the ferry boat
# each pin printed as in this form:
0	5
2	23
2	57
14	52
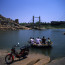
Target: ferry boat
41	45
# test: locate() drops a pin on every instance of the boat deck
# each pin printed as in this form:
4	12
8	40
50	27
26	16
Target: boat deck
42	45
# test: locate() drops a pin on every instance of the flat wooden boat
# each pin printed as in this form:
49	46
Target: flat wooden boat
41	45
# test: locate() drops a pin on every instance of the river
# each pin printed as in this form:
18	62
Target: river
10	38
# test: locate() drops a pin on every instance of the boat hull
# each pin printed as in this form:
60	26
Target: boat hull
42	45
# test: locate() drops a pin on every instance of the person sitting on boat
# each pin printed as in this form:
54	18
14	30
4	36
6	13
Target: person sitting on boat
32	41
43	40
49	41
38	41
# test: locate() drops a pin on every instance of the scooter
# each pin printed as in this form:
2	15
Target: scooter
24	51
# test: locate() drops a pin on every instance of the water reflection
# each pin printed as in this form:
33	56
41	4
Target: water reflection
43	50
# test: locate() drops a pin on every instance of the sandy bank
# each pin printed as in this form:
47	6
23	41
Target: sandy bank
32	59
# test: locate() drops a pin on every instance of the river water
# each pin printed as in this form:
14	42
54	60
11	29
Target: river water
10	38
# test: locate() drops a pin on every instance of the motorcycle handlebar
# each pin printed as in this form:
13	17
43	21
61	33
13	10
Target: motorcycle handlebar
15	46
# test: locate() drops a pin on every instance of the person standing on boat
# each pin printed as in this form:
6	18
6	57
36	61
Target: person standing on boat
43	40
38	41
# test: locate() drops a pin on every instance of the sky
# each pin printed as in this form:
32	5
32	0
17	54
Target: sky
24	10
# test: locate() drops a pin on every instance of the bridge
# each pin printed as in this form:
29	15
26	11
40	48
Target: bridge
33	22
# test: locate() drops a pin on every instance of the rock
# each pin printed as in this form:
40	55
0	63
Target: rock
32	59
43	61
57	62
3	53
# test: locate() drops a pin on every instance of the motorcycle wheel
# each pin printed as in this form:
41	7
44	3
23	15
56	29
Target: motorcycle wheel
8	59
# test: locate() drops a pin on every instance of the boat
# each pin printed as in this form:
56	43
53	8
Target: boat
41	45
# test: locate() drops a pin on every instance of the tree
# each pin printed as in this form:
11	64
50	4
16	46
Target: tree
16	21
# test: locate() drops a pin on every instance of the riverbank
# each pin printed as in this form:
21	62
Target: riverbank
5	28
52	27
32	59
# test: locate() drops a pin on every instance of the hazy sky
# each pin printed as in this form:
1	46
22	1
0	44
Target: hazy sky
23	10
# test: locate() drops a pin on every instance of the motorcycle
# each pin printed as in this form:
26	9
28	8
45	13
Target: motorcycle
24	51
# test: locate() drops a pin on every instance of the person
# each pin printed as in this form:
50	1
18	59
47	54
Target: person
43	40
38	41
32	41
49	41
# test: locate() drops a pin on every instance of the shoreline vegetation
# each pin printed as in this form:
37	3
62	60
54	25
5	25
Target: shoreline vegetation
9	24
32	59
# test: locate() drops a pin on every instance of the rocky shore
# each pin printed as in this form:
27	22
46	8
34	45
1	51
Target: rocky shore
9	24
5	28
